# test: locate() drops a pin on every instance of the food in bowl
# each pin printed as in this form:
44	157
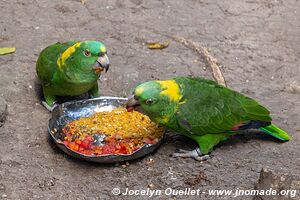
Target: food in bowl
114	132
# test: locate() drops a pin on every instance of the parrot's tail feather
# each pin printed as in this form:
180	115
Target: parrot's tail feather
276	132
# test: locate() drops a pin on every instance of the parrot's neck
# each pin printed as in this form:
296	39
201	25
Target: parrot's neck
166	115
165	120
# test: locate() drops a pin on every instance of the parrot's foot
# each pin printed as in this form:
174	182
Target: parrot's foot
49	108
195	154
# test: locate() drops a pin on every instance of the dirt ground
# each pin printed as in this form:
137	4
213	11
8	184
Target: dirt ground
257	43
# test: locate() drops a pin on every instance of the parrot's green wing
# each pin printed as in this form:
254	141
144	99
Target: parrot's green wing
219	109
47	62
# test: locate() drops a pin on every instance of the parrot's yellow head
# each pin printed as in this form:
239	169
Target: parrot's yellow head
157	99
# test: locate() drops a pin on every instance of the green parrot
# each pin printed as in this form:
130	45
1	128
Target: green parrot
71	69
202	110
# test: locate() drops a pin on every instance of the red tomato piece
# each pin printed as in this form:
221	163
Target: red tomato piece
89	138
66	143
71	145
87	141
78	142
108	149
149	141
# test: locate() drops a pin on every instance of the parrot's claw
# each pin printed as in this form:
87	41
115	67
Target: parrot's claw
202	158
49	108
195	154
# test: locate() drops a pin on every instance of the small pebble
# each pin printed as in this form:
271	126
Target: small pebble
151	186
150	161
4	196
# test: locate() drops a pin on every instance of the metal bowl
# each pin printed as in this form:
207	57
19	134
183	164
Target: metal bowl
73	110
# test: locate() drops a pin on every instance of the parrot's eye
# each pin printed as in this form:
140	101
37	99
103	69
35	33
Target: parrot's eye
87	53
149	101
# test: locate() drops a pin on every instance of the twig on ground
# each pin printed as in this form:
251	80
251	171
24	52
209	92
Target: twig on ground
83	1
210	60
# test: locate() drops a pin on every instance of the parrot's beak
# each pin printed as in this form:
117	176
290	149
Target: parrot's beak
102	64
132	103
